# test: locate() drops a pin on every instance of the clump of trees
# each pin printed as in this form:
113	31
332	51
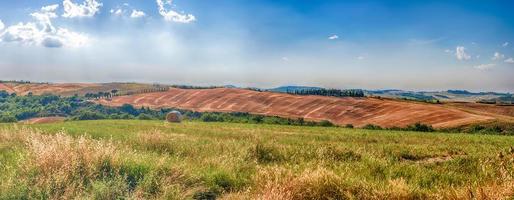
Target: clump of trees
418	127
329	92
241	117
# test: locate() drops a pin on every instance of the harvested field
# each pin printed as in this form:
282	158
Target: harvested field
491	109
70	89
43	88
356	111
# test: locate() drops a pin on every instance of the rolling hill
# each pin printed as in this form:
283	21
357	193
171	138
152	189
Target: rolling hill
386	112
356	111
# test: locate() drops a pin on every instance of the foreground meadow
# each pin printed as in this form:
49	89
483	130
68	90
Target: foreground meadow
194	160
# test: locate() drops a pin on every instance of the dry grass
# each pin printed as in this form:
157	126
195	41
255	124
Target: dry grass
62	167
226	161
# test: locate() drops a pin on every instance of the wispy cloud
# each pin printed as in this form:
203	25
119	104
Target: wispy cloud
509	60
505	44
173	16
88	8
137	14
333	37
2	26
117	12
498	56
460	53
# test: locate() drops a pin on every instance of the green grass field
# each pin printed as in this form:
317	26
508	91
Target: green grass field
194	160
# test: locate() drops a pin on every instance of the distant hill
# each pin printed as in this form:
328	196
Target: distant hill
465	92
449	95
506	99
69	89
401	94
286	89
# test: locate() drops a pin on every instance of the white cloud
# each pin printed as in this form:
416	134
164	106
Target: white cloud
484	66
117	12
87	9
448	51
333	37
42	32
361	58
509	60
45	16
285	59
171	15
505	44
498	56
137	14
461	54
2	26
50	8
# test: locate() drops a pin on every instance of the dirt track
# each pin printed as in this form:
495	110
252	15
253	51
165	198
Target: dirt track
356	111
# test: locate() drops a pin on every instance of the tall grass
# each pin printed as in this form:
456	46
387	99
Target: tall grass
62	167
153	160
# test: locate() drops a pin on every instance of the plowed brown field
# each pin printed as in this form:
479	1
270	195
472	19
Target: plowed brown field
42	88
356	111
486	109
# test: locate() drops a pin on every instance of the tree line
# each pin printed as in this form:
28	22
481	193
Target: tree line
329	92
116	92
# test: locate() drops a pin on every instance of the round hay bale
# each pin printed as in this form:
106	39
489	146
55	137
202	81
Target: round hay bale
174	117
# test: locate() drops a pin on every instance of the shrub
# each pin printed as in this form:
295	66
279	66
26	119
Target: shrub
420	127
143	116
476	128
7	118
492	130
372	127
210	117
348	126
326	123
89	115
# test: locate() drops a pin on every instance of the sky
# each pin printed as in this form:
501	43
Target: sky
410	45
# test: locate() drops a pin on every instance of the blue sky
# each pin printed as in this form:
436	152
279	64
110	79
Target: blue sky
412	45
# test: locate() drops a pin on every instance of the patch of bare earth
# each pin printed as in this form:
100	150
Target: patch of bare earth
44	120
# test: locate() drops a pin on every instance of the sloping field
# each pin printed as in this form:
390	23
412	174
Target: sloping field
42	88
356	111
487	109
70	89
